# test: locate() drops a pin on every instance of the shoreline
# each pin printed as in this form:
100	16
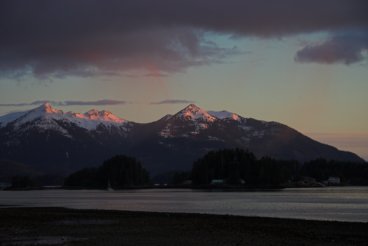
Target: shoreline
191	188
61	226
13	206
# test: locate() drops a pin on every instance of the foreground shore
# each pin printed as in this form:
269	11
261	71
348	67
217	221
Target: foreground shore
59	226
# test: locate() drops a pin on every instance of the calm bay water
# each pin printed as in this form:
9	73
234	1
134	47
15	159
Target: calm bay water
337	203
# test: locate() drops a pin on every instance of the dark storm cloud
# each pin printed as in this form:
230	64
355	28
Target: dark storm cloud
173	101
96	37
344	48
67	103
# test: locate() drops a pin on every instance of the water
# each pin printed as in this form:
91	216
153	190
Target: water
337	203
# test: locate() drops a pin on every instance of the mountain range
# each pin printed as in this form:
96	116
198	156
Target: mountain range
51	140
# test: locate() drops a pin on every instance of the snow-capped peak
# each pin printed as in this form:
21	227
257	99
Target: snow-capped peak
47	108
225	115
92	114
102	116
193	112
43	111
46	113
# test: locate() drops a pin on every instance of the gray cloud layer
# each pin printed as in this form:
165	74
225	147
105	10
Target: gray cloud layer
103	102
96	37
67	103
345	48
173	101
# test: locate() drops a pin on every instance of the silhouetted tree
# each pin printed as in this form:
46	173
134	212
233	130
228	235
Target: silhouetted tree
348	172
231	165
87	177
236	165
118	172
180	177
275	172
23	182
123	171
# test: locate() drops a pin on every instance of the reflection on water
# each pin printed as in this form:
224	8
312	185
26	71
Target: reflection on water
337	203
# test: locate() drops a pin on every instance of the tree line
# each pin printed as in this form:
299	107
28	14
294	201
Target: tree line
227	167
237	166
230	167
353	173
241	167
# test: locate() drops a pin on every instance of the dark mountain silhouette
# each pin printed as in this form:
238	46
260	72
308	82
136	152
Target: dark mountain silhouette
9	169
53	141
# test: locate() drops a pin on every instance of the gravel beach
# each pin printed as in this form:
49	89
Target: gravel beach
60	226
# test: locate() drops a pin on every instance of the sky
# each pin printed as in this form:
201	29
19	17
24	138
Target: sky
303	63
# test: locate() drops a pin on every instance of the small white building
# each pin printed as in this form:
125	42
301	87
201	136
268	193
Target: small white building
334	181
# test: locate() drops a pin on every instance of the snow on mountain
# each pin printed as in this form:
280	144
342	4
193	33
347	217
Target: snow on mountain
174	140
45	111
194	113
102	116
198	118
225	115
45	116
166	131
5	119
91	119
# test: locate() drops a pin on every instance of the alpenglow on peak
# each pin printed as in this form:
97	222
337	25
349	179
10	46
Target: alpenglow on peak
47	108
193	112
46	115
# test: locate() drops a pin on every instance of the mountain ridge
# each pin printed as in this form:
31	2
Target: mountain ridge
73	140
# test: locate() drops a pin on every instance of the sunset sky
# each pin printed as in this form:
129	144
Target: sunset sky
299	62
